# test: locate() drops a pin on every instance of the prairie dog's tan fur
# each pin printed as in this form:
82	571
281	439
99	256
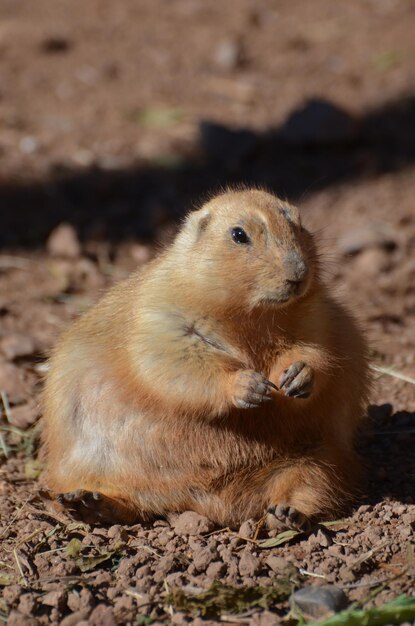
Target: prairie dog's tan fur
158	397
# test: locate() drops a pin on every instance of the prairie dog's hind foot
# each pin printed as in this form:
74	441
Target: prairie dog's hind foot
283	517
94	507
297	380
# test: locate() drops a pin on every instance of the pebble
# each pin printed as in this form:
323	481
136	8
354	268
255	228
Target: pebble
28	145
11	594
247	529
372	261
102	615
18	619
24	415
27	604
202	558
74	619
11	382
56	599
63	242
318	601
279	565
228	54
117	532
249	564
15	345
371	235
139	253
216	570
191	523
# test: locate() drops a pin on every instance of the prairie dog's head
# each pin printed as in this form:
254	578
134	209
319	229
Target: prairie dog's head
247	249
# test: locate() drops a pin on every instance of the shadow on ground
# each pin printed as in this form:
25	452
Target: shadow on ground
319	145
387	450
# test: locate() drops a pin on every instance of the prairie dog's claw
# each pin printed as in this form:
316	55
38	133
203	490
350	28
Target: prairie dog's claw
284	516
297	380
251	389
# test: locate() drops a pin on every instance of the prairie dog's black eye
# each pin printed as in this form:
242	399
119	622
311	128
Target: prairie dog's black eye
239	235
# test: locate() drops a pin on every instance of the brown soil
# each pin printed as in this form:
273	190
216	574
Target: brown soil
115	118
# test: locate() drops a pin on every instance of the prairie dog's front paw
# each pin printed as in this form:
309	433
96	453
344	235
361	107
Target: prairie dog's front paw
297	380
251	389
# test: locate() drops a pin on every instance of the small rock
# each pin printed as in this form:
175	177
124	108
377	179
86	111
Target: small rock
82	601
102	615
139	253
63	242
143	572
28	145
84	158
18	619
126	567
124	608
369	236
56	599
323	538
191	523
117	532
12	594
84	275
74	619
409	518
27	604
279	565
318	601
247	529
229	54
11	382
249	564
178	619
202	558
372	261
163	566
24	415
16	345
266	618
216	570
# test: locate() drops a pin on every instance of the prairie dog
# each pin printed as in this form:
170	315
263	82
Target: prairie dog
223	378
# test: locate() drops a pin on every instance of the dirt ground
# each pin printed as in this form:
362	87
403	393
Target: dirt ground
117	117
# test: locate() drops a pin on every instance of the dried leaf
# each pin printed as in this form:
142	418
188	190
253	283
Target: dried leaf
32	469
88	563
337	522
80	527
281	538
74	547
5	579
220	598
159	117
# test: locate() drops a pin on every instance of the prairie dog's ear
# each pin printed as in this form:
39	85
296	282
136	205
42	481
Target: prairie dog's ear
197	222
291	213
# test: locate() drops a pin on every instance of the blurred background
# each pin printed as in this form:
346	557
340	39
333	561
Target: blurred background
118	117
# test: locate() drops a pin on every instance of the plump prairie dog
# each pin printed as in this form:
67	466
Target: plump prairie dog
223	378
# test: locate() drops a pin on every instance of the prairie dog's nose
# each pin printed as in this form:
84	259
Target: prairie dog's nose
295	267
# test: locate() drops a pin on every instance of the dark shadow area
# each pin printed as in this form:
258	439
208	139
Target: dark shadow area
319	145
388	453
